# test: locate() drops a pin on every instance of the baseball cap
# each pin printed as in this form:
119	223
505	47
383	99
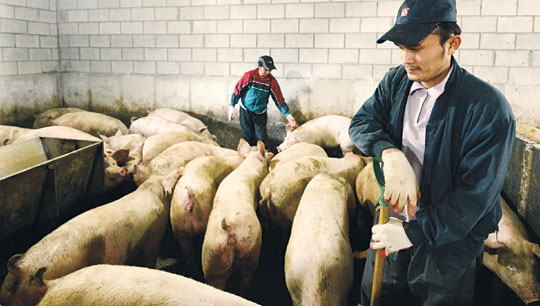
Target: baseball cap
267	62
416	19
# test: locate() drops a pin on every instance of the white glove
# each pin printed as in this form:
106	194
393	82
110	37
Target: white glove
400	182
292	122
231	113
390	236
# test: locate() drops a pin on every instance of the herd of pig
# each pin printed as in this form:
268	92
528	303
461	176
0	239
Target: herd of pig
215	199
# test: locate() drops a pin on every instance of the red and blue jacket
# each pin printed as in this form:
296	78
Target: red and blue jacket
254	92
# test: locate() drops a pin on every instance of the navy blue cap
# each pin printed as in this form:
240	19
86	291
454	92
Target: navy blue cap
267	62
416	19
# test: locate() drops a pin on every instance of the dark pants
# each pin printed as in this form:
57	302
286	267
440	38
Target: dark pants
253	127
411	277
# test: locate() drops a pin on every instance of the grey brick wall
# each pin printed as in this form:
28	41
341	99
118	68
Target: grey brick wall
325	50
28	37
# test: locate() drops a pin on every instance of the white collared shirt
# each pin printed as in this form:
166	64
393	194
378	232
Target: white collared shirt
417	112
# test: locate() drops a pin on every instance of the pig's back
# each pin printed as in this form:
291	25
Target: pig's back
127	285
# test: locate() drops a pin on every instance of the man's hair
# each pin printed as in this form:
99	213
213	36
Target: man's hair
446	29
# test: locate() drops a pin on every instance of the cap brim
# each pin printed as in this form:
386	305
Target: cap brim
408	34
269	68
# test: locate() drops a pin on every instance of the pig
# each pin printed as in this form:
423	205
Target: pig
115	233
508	252
56	132
119	142
45	118
148	126
129	285
155	144
176	157
8	134
282	189
193	199
233	238
324	274
367	189
326	131
179	117
115	172
529	132
296	150
92	123
513	258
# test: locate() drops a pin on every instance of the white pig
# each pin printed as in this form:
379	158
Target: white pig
318	260
120	142
176	157
327	131
193	198
513	258
528	131
92	123
233	238
148	126
156	144
114	233
295	151
45	118
179	117
115	285
8	134
282	189
56	132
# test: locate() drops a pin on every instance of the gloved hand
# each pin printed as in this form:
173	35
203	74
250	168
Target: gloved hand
390	236
231	113
292	122
400	182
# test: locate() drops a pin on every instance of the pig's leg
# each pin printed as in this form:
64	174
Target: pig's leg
217	264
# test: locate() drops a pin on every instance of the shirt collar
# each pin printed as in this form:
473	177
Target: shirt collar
434	91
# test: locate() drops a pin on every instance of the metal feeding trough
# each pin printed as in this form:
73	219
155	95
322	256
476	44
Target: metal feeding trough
43	178
522	184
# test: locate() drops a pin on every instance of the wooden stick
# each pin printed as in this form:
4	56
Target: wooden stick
378	272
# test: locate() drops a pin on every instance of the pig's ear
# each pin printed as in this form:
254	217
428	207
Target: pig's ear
169	182
105	139
494	247
535	248
118	133
121	156
243	148
13	268
261	149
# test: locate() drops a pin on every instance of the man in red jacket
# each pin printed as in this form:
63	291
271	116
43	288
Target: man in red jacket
253	91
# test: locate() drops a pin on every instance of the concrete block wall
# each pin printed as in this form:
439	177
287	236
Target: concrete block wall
190	53
29	53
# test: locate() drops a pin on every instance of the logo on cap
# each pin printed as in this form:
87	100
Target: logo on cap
404	12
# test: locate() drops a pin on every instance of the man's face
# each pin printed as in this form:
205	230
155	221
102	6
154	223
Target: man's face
263	72
428	61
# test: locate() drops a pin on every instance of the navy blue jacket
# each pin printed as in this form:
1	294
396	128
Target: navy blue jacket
469	137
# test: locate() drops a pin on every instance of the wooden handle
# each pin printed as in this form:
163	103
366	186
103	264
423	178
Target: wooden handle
384	216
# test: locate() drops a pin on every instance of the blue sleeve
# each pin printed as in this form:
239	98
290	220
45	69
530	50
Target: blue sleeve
283	108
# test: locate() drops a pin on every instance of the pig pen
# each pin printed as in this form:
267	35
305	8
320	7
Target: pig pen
268	285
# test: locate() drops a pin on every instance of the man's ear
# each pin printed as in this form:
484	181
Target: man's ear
455	42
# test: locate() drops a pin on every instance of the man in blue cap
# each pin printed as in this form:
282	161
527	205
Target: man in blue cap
253	91
445	139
